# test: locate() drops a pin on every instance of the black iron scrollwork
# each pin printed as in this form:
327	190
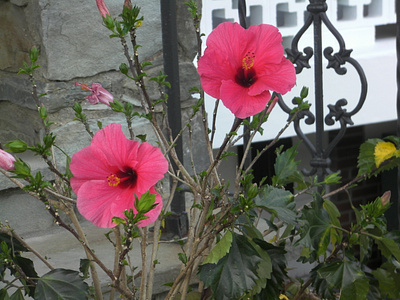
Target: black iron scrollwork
337	113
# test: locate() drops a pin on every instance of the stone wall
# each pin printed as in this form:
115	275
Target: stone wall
75	46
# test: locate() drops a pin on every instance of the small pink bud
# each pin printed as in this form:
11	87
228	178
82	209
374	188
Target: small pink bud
102	8
386	198
128	4
6	161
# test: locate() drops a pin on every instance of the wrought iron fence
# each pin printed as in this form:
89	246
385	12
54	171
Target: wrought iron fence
316	17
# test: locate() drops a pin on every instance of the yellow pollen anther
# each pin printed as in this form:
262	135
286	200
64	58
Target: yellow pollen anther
113	180
85	87
248	61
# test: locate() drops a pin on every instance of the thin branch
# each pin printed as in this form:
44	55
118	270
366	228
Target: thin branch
13	234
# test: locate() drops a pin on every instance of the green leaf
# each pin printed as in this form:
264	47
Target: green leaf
4	295
220	249
388	279
275	281
183	258
388	247
17	295
277	201
61	284
366	158
316	231
84	266
347	277
285	167
235	273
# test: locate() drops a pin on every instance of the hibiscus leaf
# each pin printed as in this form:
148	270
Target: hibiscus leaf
317	230
277	201
277	272
220	249
17	295
347	277
235	273
388	279
388	247
61	284
286	167
366	158
4	294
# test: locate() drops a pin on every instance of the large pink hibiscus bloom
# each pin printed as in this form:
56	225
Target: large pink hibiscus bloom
111	171
241	66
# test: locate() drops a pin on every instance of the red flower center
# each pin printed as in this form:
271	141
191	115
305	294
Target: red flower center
246	75
126	178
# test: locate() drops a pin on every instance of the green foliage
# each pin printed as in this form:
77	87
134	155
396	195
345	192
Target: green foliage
344	276
19	267
317	230
16	146
160	80
235	273
367	160
61	284
388	277
220	249
286	167
279	202
276	279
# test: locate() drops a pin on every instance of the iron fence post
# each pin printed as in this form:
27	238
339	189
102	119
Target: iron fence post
176	224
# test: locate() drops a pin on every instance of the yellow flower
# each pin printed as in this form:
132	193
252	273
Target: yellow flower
384	151
283	297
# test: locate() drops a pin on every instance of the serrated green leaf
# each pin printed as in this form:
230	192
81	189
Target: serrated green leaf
278	274
347	277
388	280
366	157
235	273
220	249
61	284
316	230
277	201
388	247
286	167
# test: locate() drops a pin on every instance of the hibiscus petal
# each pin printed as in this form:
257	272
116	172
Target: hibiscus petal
222	57
150	168
88	164
99	203
237	99
266	43
280	78
115	146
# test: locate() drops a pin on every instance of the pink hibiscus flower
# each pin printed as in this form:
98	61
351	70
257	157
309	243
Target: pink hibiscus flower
6	161
99	94
111	171
241	66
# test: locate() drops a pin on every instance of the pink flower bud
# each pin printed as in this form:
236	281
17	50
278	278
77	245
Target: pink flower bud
128	4
386	198
99	94
102	8
6	160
